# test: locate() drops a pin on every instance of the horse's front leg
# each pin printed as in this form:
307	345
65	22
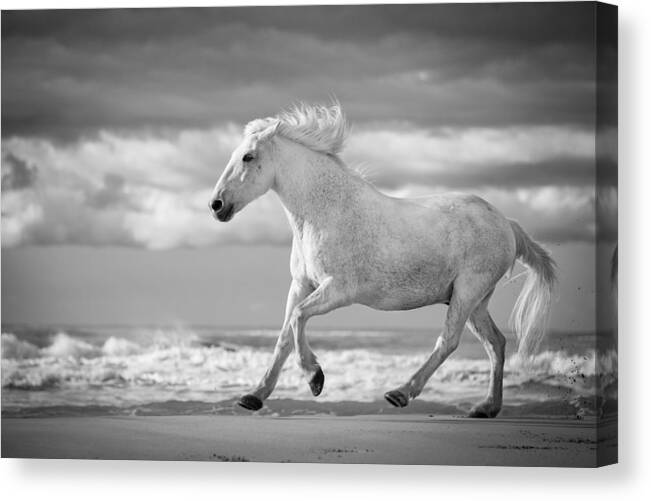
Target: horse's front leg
253	401
327	297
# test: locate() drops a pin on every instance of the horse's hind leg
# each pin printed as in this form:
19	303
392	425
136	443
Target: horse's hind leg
481	325
458	312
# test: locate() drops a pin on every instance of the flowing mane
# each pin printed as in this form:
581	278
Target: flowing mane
321	128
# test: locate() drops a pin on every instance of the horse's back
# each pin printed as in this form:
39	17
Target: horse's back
465	214
456	203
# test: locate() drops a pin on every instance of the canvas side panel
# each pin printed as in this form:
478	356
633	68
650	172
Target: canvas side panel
606	229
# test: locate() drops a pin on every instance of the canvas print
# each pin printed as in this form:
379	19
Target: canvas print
350	234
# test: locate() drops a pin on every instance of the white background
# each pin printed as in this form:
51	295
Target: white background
104	480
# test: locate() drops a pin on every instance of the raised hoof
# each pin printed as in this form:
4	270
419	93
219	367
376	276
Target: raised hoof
396	398
481	412
316	383
250	402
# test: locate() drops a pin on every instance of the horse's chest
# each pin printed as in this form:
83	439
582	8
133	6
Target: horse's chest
309	264
313	260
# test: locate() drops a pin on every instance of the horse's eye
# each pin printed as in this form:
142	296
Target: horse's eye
247	158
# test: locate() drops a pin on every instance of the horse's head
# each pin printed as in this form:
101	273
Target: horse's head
249	174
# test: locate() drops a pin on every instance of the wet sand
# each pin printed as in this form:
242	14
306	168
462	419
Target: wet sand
390	439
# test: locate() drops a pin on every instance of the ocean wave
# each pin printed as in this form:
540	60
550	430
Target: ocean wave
159	366
17	349
66	346
114	346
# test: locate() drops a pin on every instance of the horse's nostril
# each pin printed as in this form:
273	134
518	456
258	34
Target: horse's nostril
216	205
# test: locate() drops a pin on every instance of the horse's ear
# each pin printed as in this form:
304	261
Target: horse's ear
269	131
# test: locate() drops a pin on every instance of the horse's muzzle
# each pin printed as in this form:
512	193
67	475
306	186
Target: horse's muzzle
225	213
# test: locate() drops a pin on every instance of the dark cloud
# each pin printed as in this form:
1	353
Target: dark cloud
522	23
548	172
69	73
17	174
63	223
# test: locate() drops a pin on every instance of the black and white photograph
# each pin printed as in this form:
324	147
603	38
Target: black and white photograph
380	234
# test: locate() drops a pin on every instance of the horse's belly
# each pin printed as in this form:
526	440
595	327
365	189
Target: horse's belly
389	303
408	292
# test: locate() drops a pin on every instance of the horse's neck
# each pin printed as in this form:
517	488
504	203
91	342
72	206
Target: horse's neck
314	189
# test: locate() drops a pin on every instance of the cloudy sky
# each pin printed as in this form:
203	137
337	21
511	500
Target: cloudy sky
116	125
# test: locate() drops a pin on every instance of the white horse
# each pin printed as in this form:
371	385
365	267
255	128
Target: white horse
354	244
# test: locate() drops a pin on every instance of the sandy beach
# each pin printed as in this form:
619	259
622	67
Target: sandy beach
412	439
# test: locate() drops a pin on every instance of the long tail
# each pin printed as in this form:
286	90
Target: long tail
531	312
